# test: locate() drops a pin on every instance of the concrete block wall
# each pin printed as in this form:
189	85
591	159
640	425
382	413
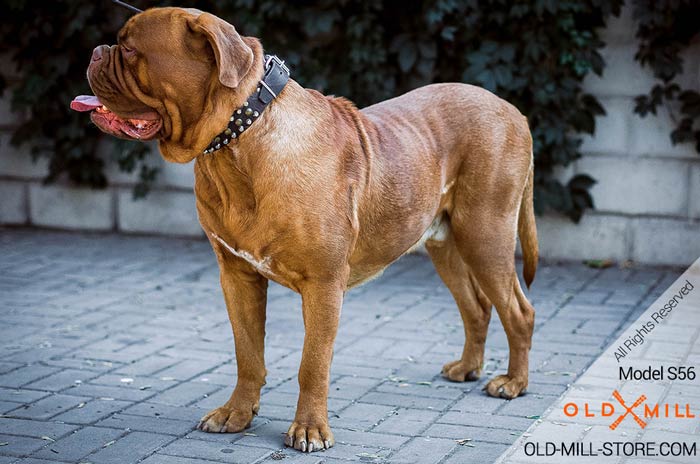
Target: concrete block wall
648	192
647	195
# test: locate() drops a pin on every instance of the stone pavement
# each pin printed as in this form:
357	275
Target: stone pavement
112	347
666	338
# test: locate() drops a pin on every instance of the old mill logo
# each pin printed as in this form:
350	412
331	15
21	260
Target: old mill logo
638	410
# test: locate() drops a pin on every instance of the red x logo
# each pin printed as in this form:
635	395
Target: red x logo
628	410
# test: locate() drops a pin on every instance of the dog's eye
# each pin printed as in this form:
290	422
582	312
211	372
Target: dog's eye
127	52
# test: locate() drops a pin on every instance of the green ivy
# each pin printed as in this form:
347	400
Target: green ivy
534	54
666	28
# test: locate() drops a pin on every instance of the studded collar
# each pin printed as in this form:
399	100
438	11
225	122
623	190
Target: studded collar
275	77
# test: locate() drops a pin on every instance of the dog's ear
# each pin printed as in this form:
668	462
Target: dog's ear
234	57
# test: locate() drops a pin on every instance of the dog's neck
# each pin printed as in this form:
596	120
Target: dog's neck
275	78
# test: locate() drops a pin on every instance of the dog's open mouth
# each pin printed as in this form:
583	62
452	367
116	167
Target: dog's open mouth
144	127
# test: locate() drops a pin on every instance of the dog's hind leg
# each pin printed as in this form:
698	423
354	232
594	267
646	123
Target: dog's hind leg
486	242
473	305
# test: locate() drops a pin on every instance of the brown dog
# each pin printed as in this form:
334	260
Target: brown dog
320	197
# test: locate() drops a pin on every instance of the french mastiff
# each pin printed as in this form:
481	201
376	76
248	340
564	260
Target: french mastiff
312	193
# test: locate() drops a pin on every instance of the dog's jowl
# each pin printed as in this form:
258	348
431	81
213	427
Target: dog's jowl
311	192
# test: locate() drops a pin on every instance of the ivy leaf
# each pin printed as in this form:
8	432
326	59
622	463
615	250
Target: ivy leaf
407	57
581	182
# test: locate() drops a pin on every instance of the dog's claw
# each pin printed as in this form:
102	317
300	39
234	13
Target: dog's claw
326	444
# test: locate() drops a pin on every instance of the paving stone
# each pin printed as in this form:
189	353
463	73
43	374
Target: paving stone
49	406
25	375
423	450
165	411
232	453
36	429
483	431
185	393
361	416
131	448
148	424
409	422
61	380
487	420
406	401
92	411
79	444
19	446
476	451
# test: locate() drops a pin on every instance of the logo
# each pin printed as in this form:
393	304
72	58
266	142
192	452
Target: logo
634	410
628	410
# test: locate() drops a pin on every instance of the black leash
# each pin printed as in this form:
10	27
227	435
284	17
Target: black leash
127	6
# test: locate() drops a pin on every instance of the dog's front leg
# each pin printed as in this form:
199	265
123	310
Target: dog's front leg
321	305
245	293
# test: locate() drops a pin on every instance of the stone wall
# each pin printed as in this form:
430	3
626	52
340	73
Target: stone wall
647	196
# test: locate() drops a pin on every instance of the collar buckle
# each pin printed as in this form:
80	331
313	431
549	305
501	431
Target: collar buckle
269	59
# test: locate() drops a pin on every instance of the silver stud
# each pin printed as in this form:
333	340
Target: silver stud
218	145
231	119
245	103
205	152
238	111
225	141
234	135
241	128
258	89
256	114
248	122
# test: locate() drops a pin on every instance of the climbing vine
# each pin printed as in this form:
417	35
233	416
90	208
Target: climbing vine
666	29
534	54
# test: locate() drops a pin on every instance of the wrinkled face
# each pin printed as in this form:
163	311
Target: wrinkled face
156	81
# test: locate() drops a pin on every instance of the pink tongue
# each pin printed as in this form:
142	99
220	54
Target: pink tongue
85	103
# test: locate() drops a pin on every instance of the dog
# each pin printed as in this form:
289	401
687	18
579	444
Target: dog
310	192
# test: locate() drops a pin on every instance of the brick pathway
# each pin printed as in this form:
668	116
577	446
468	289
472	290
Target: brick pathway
112	347
672	341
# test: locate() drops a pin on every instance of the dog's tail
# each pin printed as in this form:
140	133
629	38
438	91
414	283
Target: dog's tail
527	230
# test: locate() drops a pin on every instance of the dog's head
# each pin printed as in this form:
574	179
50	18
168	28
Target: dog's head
174	75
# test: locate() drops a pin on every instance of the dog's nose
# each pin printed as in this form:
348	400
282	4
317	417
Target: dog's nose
97	53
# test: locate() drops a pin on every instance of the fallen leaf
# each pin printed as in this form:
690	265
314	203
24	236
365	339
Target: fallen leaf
47	438
109	443
81	405
463	441
3	443
424	383
532	417
126	380
599	263
145	387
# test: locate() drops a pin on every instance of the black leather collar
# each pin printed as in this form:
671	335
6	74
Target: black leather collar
275	77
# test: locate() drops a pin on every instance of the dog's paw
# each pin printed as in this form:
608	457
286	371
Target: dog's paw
224	419
506	387
458	371
309	437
